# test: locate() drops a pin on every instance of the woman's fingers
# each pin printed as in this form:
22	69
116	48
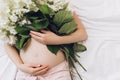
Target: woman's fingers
33	69
44	31
40	70
34	66
37	33
38	38
45	37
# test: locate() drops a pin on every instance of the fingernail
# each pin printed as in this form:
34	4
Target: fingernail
31	34
31	31
39	65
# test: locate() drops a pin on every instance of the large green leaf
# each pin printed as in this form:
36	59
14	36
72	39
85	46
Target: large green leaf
68	28
22	30
79	47
53	28
34	15
21	41
53	48
69	49
45	9
37	25
41	25
62	17
34	0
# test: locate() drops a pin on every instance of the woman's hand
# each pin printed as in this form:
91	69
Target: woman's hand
33	70
49	38
45	37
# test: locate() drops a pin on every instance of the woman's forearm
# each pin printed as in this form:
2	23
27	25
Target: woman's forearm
13	54
27	68
79	35
50	38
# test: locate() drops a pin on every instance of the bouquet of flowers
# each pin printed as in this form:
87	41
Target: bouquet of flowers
21	16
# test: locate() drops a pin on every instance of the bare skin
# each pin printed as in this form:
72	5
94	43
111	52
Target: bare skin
37	53
28	68
49	38
46	37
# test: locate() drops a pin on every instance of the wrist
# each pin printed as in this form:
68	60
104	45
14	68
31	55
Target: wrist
65	39
19	64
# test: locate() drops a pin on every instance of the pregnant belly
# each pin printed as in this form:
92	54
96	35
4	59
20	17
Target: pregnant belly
37	53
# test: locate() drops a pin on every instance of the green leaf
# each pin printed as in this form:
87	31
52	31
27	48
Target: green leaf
41	25
33	18
53	28
68	28
37	25
62	17
34	0
53	48
22	30
34	15
21	41
45	9
79	48
66	51
69	49
38	19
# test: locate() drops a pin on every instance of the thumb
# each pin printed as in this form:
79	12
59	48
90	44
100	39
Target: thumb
39	65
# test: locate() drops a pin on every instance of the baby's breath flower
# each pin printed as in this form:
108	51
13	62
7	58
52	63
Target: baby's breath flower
56	4
13	18
12	39
10	12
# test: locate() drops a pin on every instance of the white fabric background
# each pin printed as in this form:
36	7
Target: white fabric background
7	68
101	19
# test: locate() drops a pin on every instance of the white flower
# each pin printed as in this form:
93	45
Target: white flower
19	12
12	30
3	35
12	39
10	12
4	12
56	4
7	38
50	0
28	22
30	5
13	18
23	22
